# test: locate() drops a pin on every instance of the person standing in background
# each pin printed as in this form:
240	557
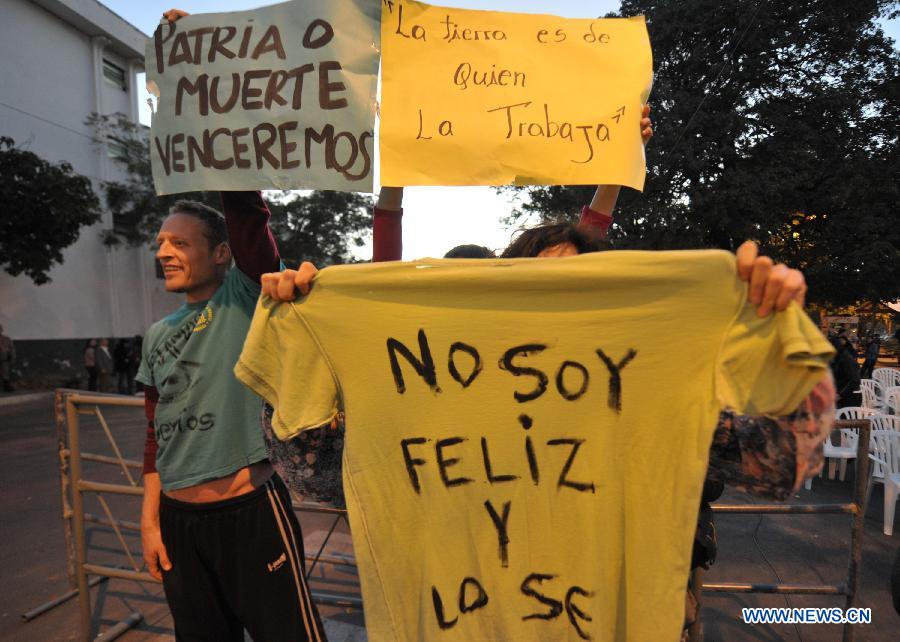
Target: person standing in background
871	358
104	365
90	363
123	358
137	345
845	368
7	359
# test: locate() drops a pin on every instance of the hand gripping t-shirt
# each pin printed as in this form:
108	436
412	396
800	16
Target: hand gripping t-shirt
526	440
207	423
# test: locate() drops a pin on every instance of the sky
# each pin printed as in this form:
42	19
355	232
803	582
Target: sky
435	219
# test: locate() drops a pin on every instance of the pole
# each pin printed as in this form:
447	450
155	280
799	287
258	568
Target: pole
121	627
62	599
859	517
84	591
62	447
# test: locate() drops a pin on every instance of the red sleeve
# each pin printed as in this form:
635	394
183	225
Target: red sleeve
387	235
595	221
251	240
151	396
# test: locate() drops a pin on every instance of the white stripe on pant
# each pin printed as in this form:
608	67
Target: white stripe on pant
296	560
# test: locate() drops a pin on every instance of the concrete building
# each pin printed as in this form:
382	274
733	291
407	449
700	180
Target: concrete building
61	60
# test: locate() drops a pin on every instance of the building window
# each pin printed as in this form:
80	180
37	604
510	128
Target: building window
116	149
114	75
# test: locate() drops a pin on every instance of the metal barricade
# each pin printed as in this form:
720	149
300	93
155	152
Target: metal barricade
69	406
856	509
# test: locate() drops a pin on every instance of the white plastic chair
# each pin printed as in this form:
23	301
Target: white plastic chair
886	377
885	422
849	441
885	456
871	394
892	400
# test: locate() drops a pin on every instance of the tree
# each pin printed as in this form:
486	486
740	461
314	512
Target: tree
775	121
137	211
318	226
43	207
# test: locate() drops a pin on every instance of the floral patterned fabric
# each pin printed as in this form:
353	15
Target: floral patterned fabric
772	456
310	463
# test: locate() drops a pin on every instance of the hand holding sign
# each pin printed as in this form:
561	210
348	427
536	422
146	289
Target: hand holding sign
174	14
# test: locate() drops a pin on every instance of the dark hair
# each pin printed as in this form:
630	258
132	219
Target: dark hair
470	252
216	232
531	242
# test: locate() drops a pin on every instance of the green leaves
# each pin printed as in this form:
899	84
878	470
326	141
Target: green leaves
321	227
43	207
137	211
763	112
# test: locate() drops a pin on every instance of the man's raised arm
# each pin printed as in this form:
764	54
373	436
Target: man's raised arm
252	244
387	226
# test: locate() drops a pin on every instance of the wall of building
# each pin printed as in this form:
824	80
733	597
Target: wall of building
52	81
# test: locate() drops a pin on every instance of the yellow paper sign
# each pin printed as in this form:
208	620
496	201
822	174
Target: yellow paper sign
489	98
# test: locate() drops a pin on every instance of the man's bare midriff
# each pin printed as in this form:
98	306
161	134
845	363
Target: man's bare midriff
239	483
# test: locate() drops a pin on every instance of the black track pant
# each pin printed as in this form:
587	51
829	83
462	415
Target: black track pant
238	564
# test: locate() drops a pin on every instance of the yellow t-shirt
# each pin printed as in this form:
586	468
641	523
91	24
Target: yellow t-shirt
527	439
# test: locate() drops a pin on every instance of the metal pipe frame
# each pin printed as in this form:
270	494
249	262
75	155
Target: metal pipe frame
28	616
84	595
69	406
787	589
856	509
106	459
62	446
71	459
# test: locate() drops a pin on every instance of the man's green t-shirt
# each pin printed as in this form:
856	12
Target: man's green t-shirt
527	439
207	423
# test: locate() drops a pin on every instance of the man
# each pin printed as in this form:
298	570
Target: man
123	357
216	526
873	349
7	359
845	368
90	363
104	365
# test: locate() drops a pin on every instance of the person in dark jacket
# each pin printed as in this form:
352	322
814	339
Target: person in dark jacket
104	365
871	358
90	363
846	373
122	360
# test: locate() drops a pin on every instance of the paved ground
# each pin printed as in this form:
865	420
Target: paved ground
807	549
33	556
